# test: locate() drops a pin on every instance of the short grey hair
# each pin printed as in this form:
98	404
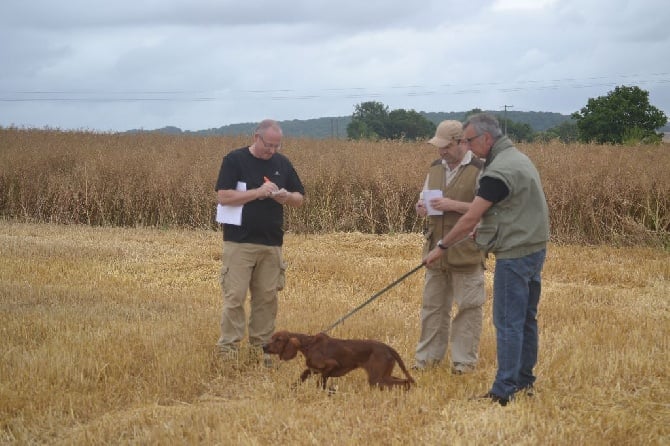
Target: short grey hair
484	123
266	124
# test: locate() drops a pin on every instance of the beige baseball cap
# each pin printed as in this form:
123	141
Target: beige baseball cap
447	131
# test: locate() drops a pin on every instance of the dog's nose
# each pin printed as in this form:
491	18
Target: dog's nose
265	348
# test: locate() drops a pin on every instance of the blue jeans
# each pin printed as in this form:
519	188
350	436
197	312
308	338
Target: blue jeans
516	294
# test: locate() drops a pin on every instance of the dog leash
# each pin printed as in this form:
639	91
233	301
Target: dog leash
388	287
375	296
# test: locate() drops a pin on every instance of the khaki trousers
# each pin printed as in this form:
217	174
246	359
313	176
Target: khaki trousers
441	289
260	270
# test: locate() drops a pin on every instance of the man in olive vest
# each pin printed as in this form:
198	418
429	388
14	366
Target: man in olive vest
513	217
459	275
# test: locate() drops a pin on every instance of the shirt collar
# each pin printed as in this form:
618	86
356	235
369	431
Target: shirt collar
464	162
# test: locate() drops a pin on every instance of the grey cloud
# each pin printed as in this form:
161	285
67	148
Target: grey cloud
346	14
204	63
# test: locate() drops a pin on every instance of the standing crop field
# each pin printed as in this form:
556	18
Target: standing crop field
596	194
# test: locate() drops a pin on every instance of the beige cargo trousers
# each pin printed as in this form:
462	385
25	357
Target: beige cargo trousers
259	269
441	290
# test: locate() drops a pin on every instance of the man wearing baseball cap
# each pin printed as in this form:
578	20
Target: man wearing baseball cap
459	275
511	215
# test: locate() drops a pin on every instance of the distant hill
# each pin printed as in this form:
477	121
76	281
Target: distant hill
336	127
319	128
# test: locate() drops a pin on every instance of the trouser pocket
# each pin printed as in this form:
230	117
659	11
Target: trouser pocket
281	282
223	275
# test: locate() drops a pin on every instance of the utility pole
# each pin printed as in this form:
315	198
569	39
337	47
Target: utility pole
505	116
335	128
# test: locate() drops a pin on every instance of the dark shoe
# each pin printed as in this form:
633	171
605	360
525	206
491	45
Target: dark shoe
494	398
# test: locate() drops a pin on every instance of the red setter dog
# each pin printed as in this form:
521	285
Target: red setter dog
332	357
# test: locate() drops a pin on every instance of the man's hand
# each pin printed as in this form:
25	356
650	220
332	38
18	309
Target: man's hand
433	256
266	190
443	204
420	207
281	196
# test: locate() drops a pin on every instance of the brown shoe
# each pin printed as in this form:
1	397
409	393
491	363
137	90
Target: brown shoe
460	368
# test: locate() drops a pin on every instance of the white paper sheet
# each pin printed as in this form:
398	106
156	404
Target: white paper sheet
429	194
231	215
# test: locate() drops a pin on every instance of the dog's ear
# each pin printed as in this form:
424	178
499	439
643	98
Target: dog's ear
290	349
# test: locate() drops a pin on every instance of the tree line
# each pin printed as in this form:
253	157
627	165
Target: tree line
623	116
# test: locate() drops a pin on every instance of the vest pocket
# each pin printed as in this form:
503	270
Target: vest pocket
486	237
465	254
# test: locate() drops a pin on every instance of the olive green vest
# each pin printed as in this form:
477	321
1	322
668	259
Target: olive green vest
464	256
519	224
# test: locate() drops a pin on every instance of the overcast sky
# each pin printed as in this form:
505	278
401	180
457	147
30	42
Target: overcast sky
199	64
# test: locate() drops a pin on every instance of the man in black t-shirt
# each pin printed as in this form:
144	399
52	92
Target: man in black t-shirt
260	180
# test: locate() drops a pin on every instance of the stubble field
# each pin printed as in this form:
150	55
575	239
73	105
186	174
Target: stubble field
108	338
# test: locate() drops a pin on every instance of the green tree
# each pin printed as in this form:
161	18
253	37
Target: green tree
517	131
358	129
368	121
621	115
408	124
566	132
474	111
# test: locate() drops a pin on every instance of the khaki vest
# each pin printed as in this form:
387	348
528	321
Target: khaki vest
465	256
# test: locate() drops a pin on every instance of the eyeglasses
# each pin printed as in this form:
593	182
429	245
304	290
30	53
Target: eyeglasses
468	140
269	146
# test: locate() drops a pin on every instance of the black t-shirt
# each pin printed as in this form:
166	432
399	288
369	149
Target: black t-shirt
262	220
492	189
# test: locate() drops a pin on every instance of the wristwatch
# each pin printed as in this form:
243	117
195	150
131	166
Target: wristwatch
441	246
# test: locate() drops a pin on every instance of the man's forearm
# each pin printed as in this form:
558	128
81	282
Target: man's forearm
236	197
294	199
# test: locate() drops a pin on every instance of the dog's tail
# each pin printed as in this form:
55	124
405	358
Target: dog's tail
401	364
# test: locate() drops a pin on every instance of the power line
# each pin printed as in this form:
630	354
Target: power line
108	96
